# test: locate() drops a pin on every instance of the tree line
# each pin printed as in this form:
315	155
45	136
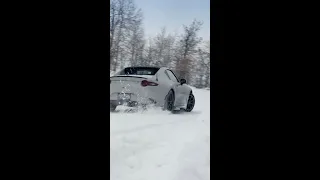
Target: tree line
186	53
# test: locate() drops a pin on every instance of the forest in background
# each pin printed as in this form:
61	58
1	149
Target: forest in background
186	53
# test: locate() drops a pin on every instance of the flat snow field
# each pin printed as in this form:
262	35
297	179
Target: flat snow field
159	145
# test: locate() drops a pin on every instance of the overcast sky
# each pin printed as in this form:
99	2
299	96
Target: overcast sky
173	14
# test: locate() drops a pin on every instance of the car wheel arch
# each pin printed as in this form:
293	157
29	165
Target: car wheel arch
171	89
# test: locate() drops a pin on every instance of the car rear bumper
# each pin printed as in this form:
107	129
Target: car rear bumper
132	103
124	102
134	98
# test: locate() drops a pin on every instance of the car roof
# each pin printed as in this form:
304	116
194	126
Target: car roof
144	67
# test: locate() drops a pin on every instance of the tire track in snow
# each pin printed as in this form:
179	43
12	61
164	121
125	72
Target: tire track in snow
196	166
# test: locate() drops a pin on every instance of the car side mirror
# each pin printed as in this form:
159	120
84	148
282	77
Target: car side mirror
183	81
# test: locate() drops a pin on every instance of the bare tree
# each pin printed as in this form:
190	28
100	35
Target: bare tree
148	52
186	48
160	49
203	66
159	46
182	53
125	27
207	63
136	42
168	52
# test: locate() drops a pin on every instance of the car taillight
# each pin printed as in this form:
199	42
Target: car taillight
145	83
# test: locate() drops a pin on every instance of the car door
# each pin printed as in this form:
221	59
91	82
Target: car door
180	90
164	85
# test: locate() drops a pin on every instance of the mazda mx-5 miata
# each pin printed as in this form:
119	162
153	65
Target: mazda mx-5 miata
142	86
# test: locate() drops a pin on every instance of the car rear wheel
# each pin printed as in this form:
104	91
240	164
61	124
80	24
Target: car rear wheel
169	101
191	103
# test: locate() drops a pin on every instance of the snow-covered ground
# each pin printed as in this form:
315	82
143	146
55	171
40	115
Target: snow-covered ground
159	145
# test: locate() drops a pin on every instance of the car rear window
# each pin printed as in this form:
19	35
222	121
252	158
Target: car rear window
138	71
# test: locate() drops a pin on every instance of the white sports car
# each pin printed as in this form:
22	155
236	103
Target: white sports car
135	86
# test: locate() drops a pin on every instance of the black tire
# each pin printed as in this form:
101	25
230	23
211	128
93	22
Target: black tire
191	103
169	101
112	107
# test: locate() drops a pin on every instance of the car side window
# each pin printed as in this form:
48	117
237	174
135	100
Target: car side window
167	74
175	76
172	76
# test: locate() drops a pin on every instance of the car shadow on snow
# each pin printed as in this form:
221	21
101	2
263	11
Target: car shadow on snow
184	112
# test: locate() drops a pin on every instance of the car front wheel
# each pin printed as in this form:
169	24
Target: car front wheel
191	103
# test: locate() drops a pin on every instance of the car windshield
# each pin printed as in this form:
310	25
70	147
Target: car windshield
138	71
